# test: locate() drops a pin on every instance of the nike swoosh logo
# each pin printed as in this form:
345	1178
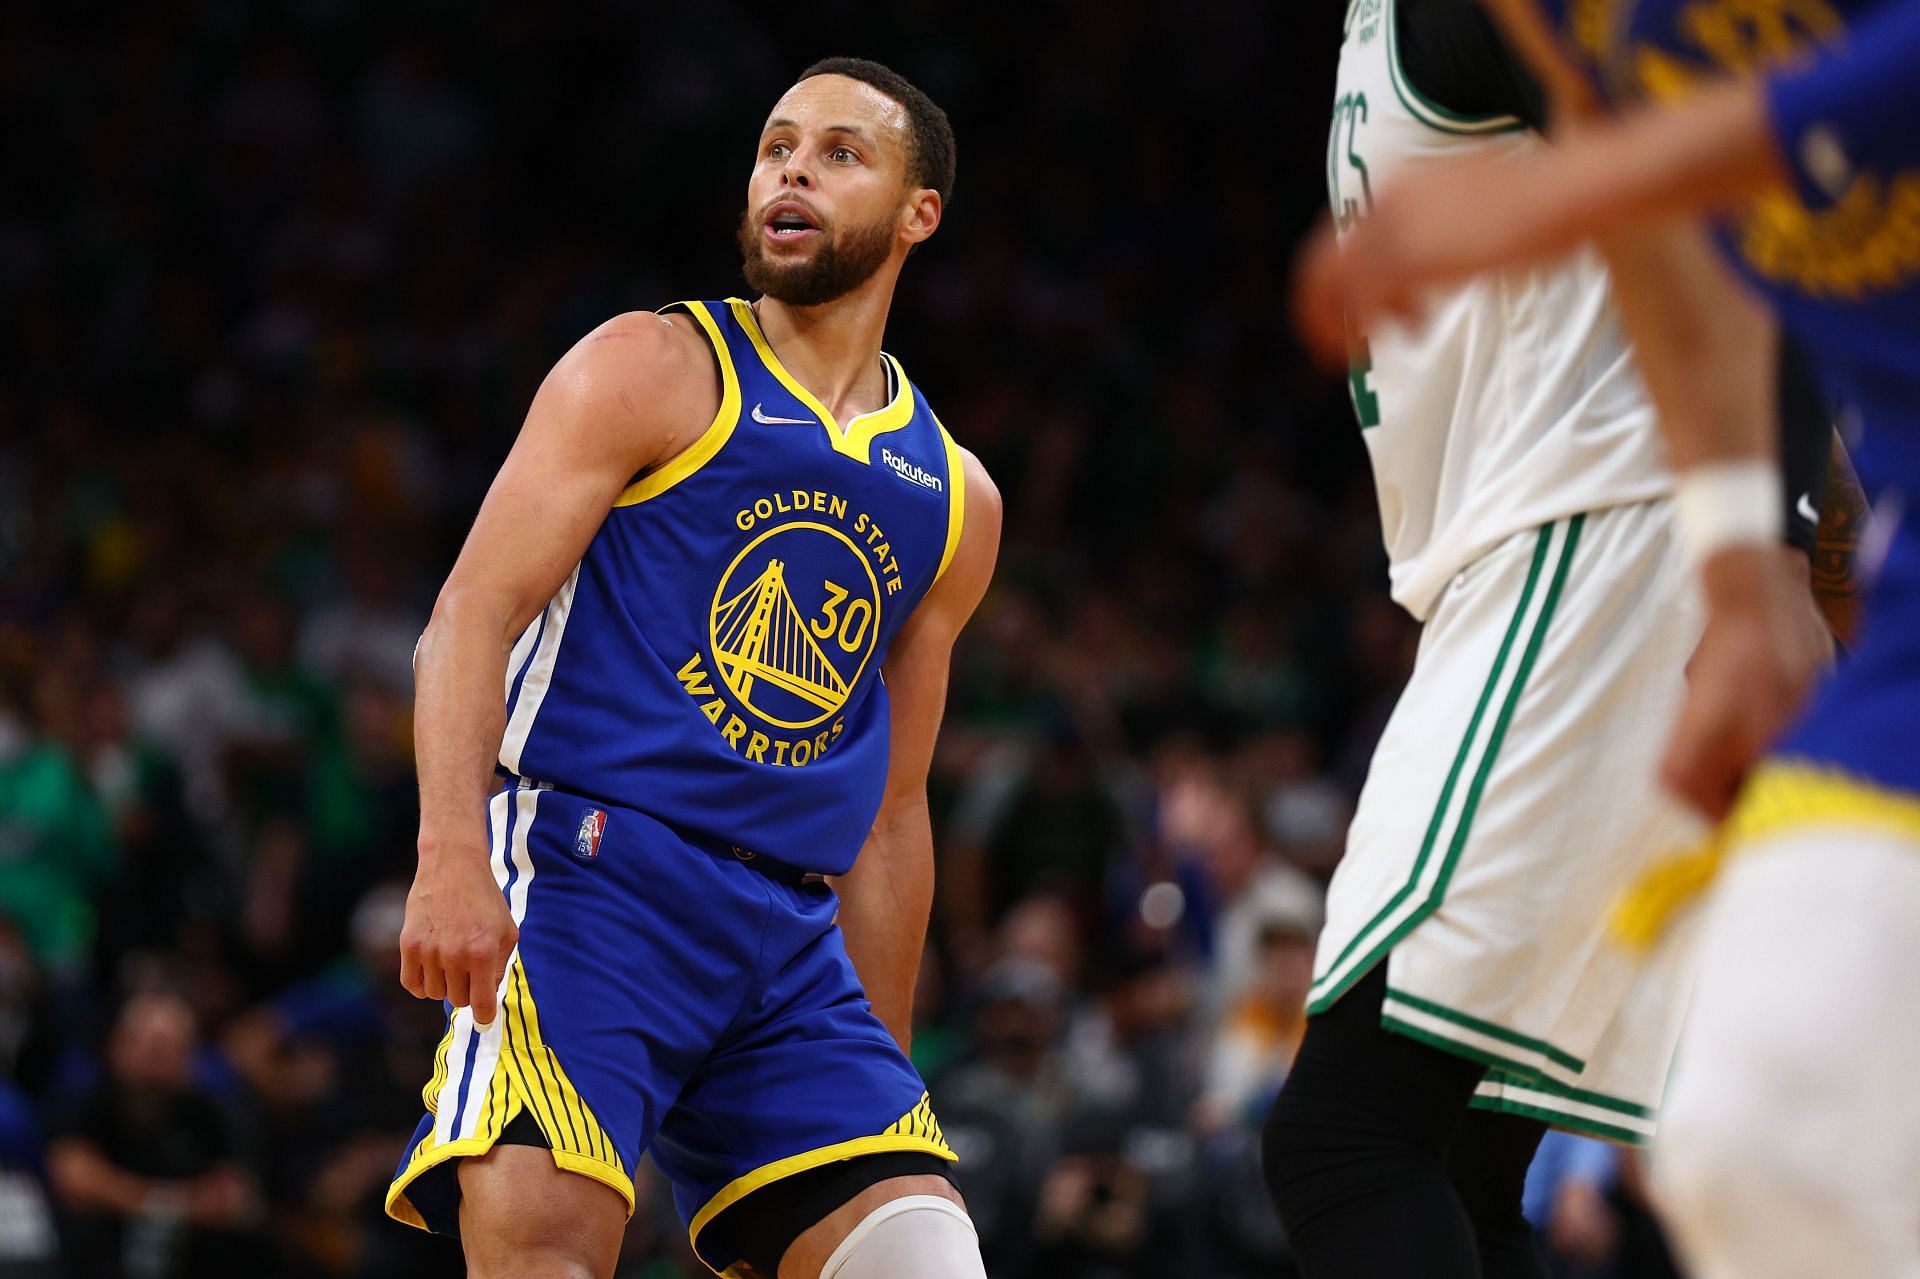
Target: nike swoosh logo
1805	507
760	415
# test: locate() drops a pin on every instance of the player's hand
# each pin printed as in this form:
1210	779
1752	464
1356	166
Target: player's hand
458	933
1582	1224
1439	223
1320	297
1335	281
1761	651
221	1198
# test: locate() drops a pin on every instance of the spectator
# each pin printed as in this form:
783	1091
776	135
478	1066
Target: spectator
28	1248
1255	1045
147	1171
1567	1200
1060	829
57	843
1122	1197
1002	1110
333	1062
1587	1200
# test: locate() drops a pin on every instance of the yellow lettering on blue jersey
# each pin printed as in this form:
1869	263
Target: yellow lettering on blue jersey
695	678
1867	242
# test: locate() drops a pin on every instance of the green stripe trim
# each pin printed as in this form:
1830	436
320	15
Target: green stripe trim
1453	1047
1425	109
1465	825
1446	791
1490	1030
1581	1095
1561	1119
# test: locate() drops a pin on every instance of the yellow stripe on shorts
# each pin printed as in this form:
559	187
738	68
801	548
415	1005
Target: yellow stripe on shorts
1784	795
527	1076
917	1130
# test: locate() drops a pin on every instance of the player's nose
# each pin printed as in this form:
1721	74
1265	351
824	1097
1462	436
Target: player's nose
795	174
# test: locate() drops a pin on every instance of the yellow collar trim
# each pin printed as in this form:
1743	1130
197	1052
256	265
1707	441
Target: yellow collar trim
855	439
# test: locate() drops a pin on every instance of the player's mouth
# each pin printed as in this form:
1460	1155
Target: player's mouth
790	222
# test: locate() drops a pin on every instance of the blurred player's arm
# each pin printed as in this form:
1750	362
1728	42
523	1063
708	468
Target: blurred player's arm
885	900
1816	125
628	396
1710	354
1448	222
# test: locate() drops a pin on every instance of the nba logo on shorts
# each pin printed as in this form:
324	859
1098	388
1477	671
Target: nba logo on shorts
586	844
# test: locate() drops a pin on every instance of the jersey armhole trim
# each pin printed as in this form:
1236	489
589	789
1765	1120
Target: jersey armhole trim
702	450
1425	109
957	503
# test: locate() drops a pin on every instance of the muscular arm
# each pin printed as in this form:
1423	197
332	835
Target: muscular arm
887	896
1705	347
1448	222
631	394
1709	355
1843	114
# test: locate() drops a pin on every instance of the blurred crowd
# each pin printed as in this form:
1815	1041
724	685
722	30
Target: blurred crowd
276	282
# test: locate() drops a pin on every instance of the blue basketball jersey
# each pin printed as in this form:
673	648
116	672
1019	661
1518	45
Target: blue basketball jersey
714	659
1838	256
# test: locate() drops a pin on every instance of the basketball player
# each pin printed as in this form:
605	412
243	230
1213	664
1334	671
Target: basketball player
718	579
1791	1141
1528	517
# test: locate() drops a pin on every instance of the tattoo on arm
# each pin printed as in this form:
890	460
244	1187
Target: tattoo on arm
1843	520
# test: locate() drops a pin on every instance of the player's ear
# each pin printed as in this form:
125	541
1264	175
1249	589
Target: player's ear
921	217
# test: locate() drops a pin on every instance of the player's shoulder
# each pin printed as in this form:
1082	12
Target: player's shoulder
641	364
982	494
980	521
641	346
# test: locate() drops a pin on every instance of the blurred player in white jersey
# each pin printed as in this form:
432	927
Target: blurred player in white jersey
1778	147
1467	991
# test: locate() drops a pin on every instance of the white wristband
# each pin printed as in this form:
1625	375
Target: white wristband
1733	503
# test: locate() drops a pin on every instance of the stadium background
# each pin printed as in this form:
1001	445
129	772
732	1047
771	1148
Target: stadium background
276	283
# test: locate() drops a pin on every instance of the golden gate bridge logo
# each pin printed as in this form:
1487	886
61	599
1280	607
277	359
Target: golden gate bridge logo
778	657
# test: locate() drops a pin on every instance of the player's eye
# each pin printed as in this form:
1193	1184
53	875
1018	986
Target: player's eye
842	155
778	150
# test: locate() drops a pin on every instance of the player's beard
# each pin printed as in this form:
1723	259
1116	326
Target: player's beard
840	265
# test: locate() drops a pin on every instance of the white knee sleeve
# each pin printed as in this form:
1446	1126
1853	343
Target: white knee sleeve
914	1237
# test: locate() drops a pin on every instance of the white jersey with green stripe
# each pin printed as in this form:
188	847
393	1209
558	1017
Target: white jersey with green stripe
1514	401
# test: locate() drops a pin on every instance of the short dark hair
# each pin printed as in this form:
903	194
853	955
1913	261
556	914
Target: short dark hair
930	157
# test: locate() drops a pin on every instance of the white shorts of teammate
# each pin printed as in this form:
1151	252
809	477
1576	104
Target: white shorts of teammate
1790	1143
1512	800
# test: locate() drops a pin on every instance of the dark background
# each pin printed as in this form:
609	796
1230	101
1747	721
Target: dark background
277	282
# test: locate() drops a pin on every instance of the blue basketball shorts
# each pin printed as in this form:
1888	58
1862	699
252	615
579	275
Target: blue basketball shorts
664	997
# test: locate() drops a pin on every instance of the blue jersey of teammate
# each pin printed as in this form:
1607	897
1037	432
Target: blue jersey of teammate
1838	256
714	661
